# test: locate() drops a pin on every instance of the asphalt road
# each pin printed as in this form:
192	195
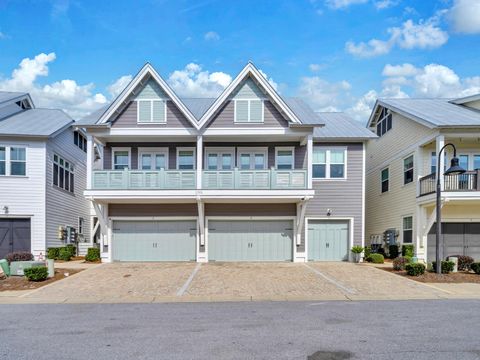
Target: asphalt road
438	329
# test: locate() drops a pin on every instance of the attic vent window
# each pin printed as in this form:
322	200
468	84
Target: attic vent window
80	140
152	111
249	111
384	122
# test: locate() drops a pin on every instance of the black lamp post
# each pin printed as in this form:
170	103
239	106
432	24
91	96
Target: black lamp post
454	169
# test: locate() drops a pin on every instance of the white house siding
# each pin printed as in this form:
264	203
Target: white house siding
386	211
25	196
62	207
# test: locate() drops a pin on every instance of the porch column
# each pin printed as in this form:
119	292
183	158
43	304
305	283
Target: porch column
199	160
421	223
440	142
419	167
90	160
309	160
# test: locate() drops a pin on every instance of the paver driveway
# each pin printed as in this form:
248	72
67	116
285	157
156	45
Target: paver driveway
150	282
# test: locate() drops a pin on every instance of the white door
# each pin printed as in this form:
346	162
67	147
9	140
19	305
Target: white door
153	160
252	159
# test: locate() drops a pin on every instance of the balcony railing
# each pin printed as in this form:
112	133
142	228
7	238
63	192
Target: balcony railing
144	179
254	179
468	181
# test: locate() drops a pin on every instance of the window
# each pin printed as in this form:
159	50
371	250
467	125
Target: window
219	158
152	158
284	158
63	174
385	180
13	161
329	163
121	159
408	170
384	122
3	160
433	163
185	159
151	111
80	140
249	111
407	229
81	224
476	162
252	158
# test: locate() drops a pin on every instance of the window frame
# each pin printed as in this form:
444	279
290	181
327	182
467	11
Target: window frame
128	150
71	172
385	121
219	151
328	163
154	151
383	181
81	225
8	159
285	148
189	148
164	101
249	121
252	151
405	170
407	229
81	140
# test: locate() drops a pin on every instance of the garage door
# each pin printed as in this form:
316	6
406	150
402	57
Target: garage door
252	240
14	236
154	240
458	239
328	240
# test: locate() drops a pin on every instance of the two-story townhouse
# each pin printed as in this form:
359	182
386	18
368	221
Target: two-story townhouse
402	171
247	176
42	177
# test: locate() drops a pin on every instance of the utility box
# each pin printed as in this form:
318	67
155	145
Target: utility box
17	267
390	237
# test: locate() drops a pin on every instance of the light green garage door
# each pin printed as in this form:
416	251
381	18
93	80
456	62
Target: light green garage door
328	240
252	240
154	240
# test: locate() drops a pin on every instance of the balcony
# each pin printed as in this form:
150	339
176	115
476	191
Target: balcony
254	179
468	181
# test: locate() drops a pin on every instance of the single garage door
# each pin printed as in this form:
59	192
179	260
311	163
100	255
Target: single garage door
154	240
328	240
250	240
458	239
14	236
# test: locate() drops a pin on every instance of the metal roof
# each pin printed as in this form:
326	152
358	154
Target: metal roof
341	126
466	99
303	111
35	122
434	112
198	106
10	95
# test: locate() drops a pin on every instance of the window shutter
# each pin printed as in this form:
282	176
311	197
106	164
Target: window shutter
158	114
256	111
241	110
144	111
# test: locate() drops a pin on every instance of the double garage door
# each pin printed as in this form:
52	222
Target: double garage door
458	239
14	236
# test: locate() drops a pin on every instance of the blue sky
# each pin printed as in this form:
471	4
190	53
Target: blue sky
339	55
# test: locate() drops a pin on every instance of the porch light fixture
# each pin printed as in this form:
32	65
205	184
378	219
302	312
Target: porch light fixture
455	169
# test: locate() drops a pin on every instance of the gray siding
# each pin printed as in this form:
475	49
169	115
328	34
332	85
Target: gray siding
128	118
152	210
282	209
225	117
342	197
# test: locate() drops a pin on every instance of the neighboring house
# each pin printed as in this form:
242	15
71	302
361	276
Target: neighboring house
42	177
247	176
401	174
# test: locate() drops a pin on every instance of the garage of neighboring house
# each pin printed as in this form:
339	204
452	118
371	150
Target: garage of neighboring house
250	240
15	235
458	239
159	240
328	240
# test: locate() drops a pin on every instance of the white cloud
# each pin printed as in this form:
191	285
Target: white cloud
362	108
316	67
341	4
118	85
385	4
323	95
424	35
212	36
76	99
399	70
465	16
270	80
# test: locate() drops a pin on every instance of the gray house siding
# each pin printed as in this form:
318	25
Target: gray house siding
152	210
281	209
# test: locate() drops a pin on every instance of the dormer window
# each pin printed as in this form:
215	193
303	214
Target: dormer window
248	111
384	122
151	111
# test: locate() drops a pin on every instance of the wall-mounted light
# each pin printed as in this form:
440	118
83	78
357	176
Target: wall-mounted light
5	209
329	212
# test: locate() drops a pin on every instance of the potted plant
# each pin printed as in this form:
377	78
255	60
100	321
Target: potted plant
357	253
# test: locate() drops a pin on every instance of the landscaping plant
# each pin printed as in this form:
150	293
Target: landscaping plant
415	269
357	249
19	256
408	250
464	262
368	251
393	251
64	254
73	250
447	266
377	258
93	254
475	267
37	273
400	262
53	253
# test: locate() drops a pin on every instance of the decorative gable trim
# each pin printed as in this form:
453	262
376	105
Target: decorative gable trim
248	70
122	99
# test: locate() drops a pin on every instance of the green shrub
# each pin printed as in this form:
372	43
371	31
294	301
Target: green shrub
93	254
393	251
368	251
447	266
53	253
475	267
73	250
357	249
377	258
64	254
37	273
18	256
400	262
464	262
408	250
415	269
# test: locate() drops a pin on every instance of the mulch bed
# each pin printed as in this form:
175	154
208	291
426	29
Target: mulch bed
431	277
21	283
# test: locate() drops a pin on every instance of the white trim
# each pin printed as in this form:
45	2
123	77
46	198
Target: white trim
219	151
363	191
412	229
251	151
249	121
285	148
381	180
188	148
351	226
153	151
328	150
164	101
310	160
413	169
128	149
8	161
90	160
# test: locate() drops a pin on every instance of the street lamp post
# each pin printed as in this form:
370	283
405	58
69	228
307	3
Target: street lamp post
454	169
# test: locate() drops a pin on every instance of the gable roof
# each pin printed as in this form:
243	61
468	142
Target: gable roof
466	99
35	122
248	71
339	126
431	113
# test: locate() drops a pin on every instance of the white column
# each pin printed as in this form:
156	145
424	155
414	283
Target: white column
440	142
419	167
309	160
90	160
199	160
